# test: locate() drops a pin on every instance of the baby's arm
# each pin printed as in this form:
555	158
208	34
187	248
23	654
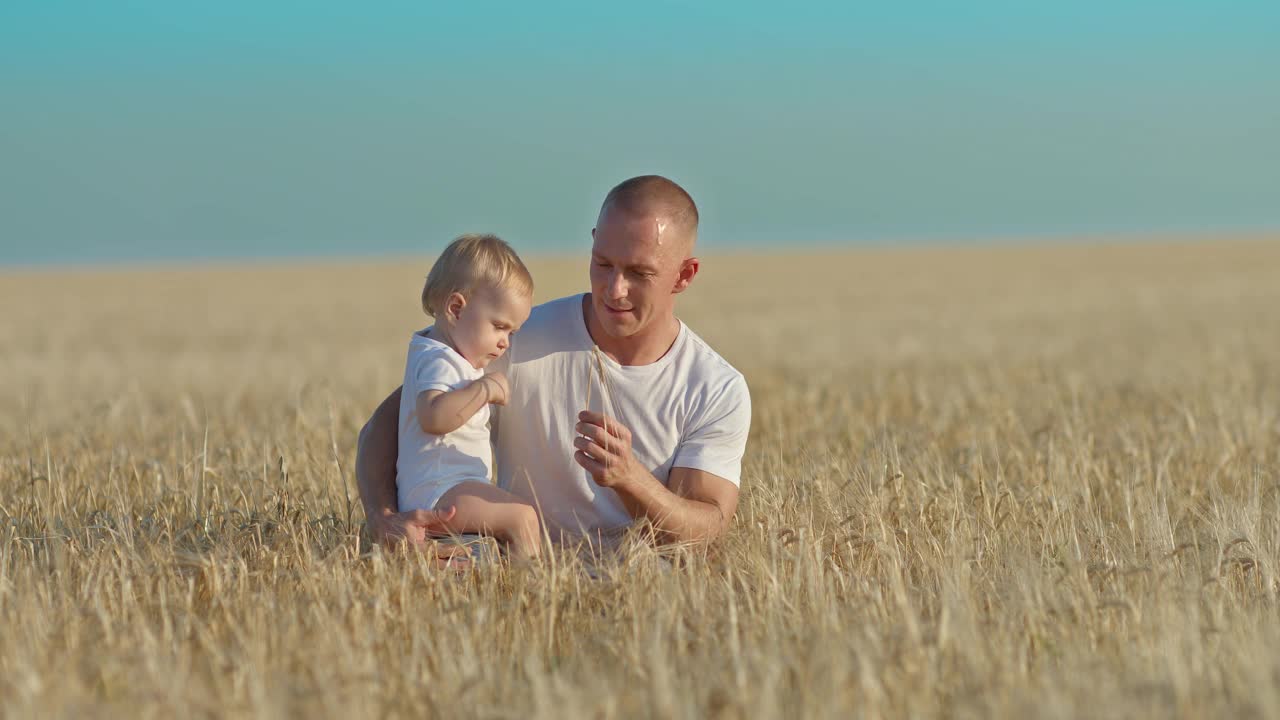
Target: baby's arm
440	413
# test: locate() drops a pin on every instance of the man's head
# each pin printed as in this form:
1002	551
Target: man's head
479	292
642	254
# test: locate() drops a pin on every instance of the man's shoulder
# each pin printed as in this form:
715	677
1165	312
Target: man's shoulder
709	367
719	401
550	329
553	310
551	320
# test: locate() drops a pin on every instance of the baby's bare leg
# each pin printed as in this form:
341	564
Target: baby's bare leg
490	510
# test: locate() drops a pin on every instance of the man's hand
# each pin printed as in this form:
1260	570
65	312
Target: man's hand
697	507
416	530
376	477
496	384
604	449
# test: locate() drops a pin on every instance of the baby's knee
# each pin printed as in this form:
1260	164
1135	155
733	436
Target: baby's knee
524	532
527	522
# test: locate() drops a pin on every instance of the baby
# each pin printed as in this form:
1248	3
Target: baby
479	293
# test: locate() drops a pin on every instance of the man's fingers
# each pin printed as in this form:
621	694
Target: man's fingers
401	541
424	517
596	434
456	559
588	463
604	421
435	520
448	550
392	530
444	556
591	448
450	554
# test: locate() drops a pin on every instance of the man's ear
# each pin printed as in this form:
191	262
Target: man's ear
688	269
453	306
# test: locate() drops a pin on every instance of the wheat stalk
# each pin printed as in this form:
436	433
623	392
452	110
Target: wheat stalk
596	368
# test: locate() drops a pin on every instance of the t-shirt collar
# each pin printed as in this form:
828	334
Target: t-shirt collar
584	336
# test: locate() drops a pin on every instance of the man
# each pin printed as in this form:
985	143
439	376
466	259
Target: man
663	438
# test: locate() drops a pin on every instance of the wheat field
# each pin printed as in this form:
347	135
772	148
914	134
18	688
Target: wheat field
982	482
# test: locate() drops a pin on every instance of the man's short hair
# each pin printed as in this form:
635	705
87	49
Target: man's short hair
654	195
474	262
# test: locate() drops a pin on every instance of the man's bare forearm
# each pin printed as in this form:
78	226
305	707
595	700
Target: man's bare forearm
676	519
376	459
693	505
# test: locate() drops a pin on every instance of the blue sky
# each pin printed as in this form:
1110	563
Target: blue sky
162	130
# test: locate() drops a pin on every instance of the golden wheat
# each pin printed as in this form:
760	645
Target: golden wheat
981	483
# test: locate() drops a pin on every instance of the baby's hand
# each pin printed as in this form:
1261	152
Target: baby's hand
496	383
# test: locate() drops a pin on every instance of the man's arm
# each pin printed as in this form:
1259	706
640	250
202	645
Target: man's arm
376	453
695	506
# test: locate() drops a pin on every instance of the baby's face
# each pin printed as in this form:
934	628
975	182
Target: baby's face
483	329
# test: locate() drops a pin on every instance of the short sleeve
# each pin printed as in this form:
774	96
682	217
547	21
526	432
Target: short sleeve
433	371
719	438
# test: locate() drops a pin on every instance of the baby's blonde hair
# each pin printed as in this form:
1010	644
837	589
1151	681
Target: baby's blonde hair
472	262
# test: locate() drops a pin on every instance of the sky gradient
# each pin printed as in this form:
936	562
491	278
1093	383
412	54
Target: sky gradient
158	130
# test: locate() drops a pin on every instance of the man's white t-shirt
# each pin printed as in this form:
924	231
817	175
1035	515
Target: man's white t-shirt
689	409
427	465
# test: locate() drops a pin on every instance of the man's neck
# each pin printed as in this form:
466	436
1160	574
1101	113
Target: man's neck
644	348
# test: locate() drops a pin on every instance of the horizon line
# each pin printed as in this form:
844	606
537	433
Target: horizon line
975	242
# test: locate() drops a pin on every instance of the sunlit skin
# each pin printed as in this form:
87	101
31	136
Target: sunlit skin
480	329
639	263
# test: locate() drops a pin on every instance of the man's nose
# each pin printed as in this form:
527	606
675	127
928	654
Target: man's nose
617	286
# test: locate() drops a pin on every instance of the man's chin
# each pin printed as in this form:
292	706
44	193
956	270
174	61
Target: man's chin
614	324
619	328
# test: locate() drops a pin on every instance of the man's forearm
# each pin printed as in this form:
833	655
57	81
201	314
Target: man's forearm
376	459
675	518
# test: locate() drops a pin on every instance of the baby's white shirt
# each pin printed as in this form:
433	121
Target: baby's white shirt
427	465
